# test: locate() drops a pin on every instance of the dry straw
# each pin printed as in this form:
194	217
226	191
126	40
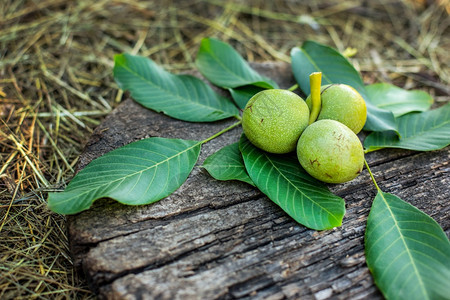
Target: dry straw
56	85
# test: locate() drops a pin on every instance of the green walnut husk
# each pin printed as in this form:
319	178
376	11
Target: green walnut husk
342	103
331	152
274	119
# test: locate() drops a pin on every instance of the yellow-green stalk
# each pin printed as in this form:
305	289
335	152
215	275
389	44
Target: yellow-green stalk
315	81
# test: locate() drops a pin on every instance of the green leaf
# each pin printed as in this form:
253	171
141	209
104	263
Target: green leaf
225	67
407	251
424	131
399	101
138	173
283	180
182	97
241	95
335	68
227	164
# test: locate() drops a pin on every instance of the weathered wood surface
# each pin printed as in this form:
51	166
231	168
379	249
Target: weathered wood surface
225	240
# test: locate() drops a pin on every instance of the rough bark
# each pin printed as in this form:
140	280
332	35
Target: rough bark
226	240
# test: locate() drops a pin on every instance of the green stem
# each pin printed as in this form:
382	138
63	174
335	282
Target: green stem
315	81
293	88
221	132
371	175
372	150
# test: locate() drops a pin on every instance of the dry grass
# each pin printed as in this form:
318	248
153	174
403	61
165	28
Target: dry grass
56	85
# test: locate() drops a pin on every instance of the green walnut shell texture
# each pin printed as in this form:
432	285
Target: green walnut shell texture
342	103
274	119
331	152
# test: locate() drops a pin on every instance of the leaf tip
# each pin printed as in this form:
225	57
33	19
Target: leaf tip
119	59
63	203
52	203
294	51
205	44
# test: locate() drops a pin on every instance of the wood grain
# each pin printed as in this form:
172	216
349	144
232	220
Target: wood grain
225	240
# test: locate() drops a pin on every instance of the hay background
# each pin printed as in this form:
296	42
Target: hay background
56	85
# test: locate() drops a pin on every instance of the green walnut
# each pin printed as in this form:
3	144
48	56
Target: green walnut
274	119
342	103
331	152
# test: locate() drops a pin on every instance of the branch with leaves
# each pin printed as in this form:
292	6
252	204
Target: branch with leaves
407	251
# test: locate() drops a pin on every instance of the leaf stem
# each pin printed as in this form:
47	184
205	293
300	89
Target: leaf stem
293	88
221	132
371	149
371	175
315	81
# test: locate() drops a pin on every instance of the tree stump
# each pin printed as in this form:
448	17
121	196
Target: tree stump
225	240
